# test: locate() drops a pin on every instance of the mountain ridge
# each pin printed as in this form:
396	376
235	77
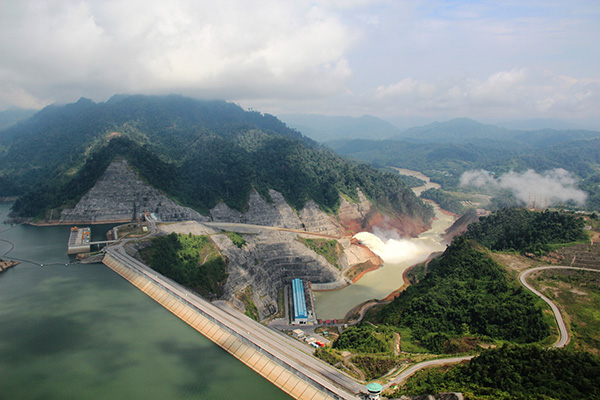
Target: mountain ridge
200	153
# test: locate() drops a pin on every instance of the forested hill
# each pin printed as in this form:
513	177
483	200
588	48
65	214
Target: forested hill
197	152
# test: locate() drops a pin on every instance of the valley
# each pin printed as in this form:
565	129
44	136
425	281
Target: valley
236	211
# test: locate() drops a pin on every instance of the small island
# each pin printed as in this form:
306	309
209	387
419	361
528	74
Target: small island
6	264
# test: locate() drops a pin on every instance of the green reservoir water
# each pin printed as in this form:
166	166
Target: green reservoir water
83	332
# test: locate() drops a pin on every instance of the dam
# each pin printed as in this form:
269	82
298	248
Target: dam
275	356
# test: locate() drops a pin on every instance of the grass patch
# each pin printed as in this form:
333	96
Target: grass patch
245	296
193	261
236	238
578	293
131	230
408	343
374	367
330	249
366	338
329	355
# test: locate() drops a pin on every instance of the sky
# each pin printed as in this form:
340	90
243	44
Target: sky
389	58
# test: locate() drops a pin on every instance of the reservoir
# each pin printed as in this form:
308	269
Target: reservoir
83	332
401	254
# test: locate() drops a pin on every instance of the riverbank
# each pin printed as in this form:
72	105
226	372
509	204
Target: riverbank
71	223
356	272
389	280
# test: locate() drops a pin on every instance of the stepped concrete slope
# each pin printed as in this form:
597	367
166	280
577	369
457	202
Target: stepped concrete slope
270	259
120	196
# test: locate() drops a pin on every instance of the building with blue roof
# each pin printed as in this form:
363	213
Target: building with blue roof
299	301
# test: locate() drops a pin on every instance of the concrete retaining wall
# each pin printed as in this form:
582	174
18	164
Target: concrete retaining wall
264	364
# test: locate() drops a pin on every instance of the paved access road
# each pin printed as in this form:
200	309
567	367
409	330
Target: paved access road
564	336
431	363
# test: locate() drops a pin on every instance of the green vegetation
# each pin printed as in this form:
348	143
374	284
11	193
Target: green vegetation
515	373
523	231
197	152
366	339
445	200
451	151
330	249
193	261
464	299
416	273
245	296
410	181
132	230
374	367
578	293
236	238
355	271
466	293
329	355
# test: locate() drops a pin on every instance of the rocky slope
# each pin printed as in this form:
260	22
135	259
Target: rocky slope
119	195
270	259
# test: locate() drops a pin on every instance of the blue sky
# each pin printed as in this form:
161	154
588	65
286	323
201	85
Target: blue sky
389	58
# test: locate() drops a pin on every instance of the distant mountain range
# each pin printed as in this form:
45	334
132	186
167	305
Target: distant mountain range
535	132
324	128
444	151
538	123
465	130
12	116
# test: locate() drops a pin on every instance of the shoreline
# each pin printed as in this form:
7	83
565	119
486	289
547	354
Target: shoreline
374	267
405	282
448	212
66	223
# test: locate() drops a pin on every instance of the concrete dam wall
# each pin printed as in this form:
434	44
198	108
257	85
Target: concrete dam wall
289	378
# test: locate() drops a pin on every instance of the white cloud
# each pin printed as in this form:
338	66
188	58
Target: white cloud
517	92
384	57
228	48
549	187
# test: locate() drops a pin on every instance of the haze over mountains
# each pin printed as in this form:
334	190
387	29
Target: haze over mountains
537	132
200	153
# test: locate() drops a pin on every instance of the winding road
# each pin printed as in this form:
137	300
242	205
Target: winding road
564	336
562	341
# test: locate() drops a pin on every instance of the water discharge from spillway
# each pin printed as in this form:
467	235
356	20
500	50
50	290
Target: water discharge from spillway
398	255
393	250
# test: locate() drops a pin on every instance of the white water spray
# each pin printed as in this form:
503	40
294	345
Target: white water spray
395	251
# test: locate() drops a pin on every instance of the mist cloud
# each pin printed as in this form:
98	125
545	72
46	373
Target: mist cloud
550	187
